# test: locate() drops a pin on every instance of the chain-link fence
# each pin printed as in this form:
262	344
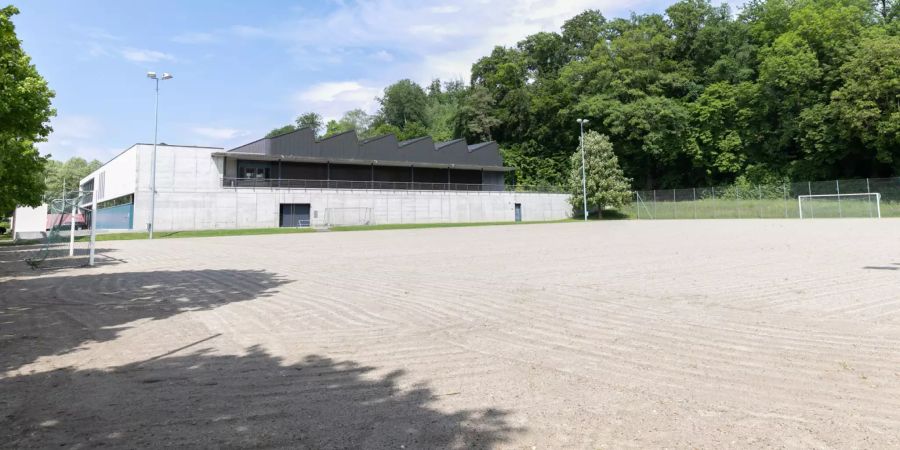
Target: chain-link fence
871	197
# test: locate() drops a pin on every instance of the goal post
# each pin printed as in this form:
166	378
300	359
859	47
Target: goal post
864	204
336	217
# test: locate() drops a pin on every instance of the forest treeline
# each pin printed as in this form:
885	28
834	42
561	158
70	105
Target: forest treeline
699	95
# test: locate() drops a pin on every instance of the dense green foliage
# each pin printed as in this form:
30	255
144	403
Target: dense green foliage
699	95
604	182
59	175
25	111
306	120
801	89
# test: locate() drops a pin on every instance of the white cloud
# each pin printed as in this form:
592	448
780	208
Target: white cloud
195	37
141	55
247	31
219	134
383	55
333	99
76	135
435	41
444	9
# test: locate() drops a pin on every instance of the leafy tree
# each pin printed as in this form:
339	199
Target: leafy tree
867	108
357	119
404	102
334	127
474	119
605	182
25	111
311	120
59	175
581	33
281	130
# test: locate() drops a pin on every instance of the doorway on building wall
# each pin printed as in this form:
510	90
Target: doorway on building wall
294	215
518	212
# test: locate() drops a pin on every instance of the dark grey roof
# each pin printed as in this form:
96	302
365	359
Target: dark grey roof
346	147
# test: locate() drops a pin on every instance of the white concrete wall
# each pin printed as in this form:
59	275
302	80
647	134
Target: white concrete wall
248	208
187	171
120	175
190	196
29	223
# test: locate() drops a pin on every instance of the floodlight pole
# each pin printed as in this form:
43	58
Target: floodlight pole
154	77
153	159
581	122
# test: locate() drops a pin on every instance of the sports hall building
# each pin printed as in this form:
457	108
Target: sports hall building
296	180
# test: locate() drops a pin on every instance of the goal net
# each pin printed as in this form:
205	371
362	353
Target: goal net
336	217
67	239
866	204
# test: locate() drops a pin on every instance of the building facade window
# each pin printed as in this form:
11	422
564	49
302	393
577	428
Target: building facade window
254	169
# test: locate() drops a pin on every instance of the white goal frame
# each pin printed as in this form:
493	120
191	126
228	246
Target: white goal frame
362	213
861	194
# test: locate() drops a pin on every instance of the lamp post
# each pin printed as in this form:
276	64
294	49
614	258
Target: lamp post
152	76
581	122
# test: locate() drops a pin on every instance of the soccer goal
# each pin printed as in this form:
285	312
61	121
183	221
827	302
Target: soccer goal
866	204
336	217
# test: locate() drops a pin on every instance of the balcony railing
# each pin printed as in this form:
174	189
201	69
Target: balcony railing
275	183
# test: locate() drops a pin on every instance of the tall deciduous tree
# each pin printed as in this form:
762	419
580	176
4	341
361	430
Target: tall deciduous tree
25	111
59	175
605	183
404	102
311	120
475	119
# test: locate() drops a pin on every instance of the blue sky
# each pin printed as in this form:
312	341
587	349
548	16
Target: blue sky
243	68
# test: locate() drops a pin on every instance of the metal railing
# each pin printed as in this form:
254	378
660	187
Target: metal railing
276	183
821	199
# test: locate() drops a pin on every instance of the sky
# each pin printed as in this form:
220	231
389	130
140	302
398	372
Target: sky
242	68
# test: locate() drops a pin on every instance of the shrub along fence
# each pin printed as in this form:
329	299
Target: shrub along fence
865	198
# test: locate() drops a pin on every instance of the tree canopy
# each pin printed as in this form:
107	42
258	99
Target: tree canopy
699	94
66	175
604	181
25	111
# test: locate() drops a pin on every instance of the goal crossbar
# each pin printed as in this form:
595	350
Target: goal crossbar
876	195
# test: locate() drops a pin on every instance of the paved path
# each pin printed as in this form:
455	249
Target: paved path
644	334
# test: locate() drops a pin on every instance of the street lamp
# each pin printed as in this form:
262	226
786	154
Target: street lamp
165	76
581	122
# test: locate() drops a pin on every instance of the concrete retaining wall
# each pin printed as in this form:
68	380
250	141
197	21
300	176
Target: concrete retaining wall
244	208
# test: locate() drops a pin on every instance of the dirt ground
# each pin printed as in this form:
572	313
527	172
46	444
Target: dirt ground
715	334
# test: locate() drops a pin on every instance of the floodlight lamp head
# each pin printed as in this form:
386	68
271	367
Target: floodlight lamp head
151	75
166	76
579	120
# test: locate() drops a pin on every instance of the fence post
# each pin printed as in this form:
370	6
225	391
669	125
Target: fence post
714	204
637	206
654	204
812	212
868	202
695	203
784	196
737	196
674	205
759	192
837	183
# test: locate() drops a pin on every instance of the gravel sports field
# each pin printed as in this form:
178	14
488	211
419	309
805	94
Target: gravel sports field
714	334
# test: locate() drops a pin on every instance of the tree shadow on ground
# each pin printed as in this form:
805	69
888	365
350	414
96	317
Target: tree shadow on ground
207	400
52	315
12	261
